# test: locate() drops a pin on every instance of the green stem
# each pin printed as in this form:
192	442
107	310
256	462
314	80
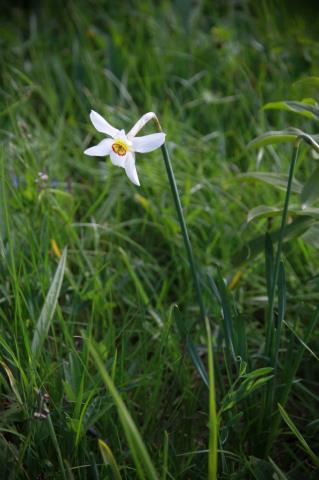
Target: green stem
269	394
179	209
270	315
213	417
181	219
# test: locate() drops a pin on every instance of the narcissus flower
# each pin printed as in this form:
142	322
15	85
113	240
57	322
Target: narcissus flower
121	147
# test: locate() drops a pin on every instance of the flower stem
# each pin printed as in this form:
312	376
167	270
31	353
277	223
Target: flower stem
179	209
181	219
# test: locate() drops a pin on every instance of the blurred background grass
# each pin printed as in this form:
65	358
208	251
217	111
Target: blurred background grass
206	68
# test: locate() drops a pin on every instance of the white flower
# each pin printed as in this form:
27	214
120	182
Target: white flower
121	147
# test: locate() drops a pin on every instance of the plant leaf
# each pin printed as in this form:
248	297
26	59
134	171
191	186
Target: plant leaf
213	417
307	82
298	435
192	350
301	108
278	180
256	245
135	441
275	136
48	309
109	459
310	191
311	236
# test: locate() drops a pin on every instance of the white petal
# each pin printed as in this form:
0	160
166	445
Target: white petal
141	123
101	149
118	160
148	143
102	125
131	169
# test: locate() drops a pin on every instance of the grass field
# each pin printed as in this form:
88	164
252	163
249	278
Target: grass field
106	366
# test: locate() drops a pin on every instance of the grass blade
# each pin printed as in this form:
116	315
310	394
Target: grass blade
137	446
197	360
227	317
48	309
279	472
109	459
213	418
139	287
298	435
269	262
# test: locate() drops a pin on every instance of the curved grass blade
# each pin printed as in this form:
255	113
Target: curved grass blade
138	449
301	108
298	435
310	191
48	309
269	261
197	360
256	245
109	459
275	136
279	472
307	82
278	180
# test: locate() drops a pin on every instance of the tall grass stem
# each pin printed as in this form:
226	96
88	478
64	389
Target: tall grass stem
270	314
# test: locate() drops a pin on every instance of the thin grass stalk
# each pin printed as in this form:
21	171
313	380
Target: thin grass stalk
283	397
213	417
270	324
57	447
271	300
270	320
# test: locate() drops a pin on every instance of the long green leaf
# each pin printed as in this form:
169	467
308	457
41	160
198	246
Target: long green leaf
269	262
307	82
275	136
137	446
197	360
256	245
109	459
301	108
213	417
138	285
48	309
227	316
264	211
279	472
298	435
311	236
310	191
278	180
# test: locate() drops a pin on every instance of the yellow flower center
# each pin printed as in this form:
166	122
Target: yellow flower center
119	147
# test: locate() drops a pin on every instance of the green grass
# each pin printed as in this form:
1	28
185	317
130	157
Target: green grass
105	363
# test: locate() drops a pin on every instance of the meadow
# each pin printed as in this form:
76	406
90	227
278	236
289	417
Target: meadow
108	367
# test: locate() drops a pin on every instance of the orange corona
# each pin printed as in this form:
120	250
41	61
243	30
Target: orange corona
120	148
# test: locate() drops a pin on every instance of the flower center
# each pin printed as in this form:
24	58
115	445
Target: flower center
119	147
